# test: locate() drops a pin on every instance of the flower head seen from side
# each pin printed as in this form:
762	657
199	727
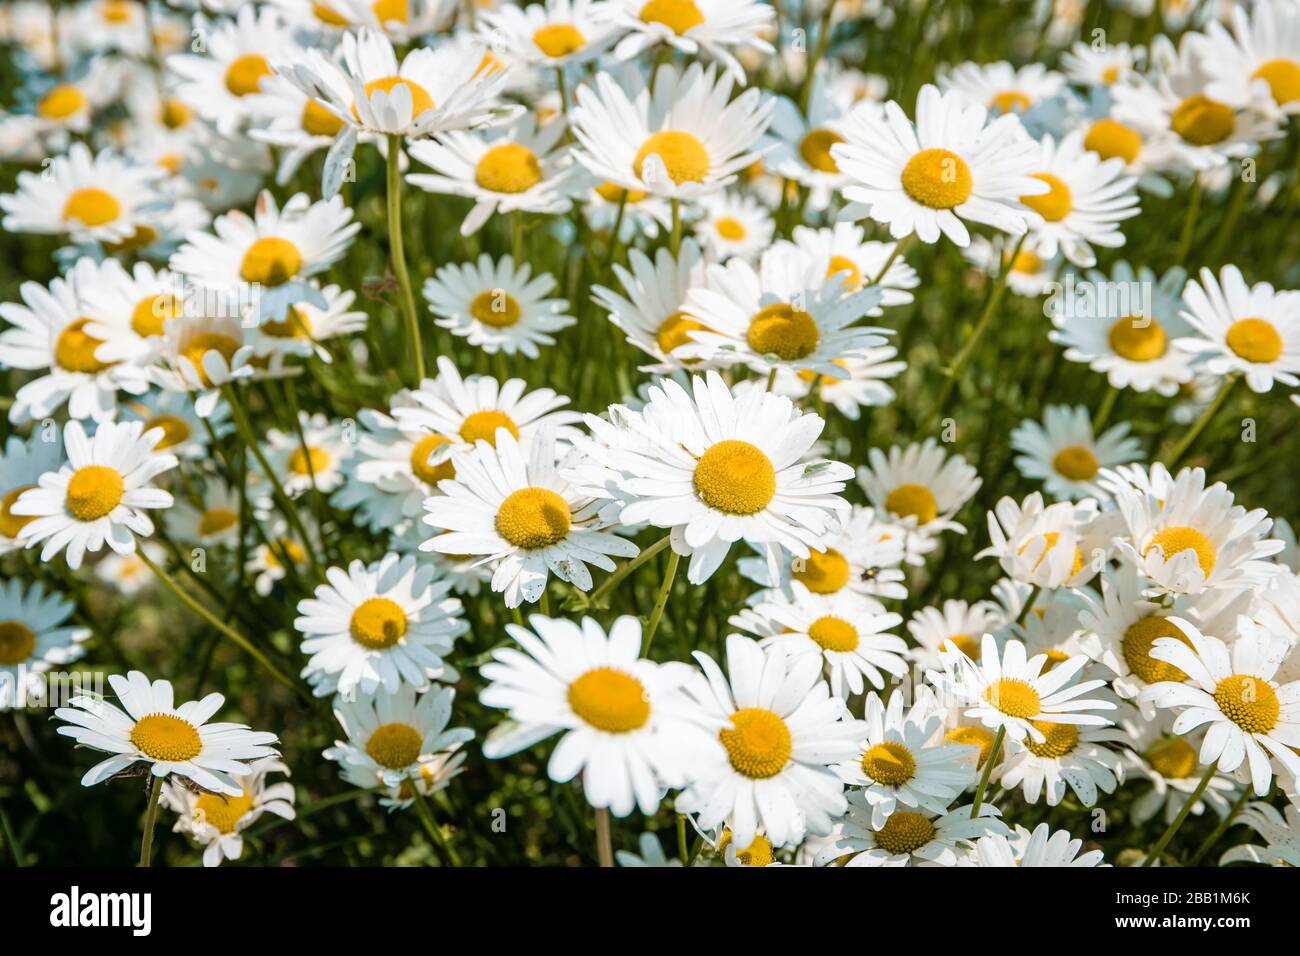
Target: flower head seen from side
929	177
692	27
1281	834
379	624
1080	759
627	726
100	495
1251	718
1041	847
511	505
907	837
1001	87
1041	545
149	728
216	821
1066	454
782	730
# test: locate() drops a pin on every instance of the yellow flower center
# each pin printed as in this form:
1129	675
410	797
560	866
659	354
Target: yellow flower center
508	168
1173	758
386	11
1075	462
1053	205
758	853
559	39
427	473
757	743
1013	697
937	178
74	349
730	228
1202	121
1255	340
1176	540
482	426
1010	101
834	634
912	501
965	643
377	623
735	477
151	312
271	261
815	148
683	156
823	572
1136	646
1249	702
905	832
1060	739
1110	75
175	113
610	700
244	75
394	745
166	737
17	641
216	520
116	11
1283	79
1110	138
221	811
174	430
296	324
972	737
310	462
782	330
292	549
675	330
421	101
140	237
93	492
326	14
889	763
677	15
92	207
848	271
10	523
496	308
61	102
318	121
1138	339
532	518
612	192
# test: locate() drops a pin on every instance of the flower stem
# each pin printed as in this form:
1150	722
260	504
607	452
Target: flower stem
675	241
1029	603
604	844
397	250
898	251
1198	426
994	752
1107	406
617	577
1189	224
1226	822
660	602
425	813
1182	815
150	817
823	42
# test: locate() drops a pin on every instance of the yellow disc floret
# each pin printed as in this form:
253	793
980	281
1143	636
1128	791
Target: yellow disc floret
93	492
1255	340
378	623
889	763
271	261
758	743
394	745
683	156
815	148
1136	646
1138	339
735	477
822	572
559	39
245	73
166	737
677	15
508	168
912	501
482	426
17	641
1059	739
1110	138
610	700
1177	539
1249	702
1202	121
1076	462
92	207
427	473
1283	79
1013	697
532	518
221	811
834	634
496	308
937	178
75	349
783	330
1053	205
905	832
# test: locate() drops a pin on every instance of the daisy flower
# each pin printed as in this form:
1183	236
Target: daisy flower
734	225
1068	755
377	624
1251	330
862	387
511	505
958	626
268	559
1064	453
627	726
148	728
919	486
1042	847
436	771
216	821
1042	546
1281	836
1087	198
692	27
782	730
184	433
201	354
858	262
951	166
1002	88
1170	763
392	735
552	34
49	331
215	522
310	456
306	327
715	467
800	145
1263	50
275	251
22	462
1028	273
1194	537
88	198
903	760
848	634
497	306
128	309
286	117
680	138
126	573
1124	324
1231	689
907	837
1086	65
1023	696
34	633
784	314
98	495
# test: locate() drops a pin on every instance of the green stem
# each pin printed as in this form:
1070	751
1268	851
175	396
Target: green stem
823	41
604	843
425	813
988	771
675	241
1189	223
682	851
150	817
898	251
1103	413
1222	828
1182	815
617	577
397	250
660	602
1180	449
1029	603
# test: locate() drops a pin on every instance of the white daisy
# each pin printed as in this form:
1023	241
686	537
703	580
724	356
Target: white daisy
216	821
35	636
1064	453
862	387
858	262
800	144
694	26
1263	50
907	837
956	626
554	33
627	727
310	456
184	434
126	573
1003	88
149	728
1068	755
214	522
1088	64
1170	763
919	486
200	354
731	224
1048	547
1028	274
1042	847
1281	837
22	462
306	327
